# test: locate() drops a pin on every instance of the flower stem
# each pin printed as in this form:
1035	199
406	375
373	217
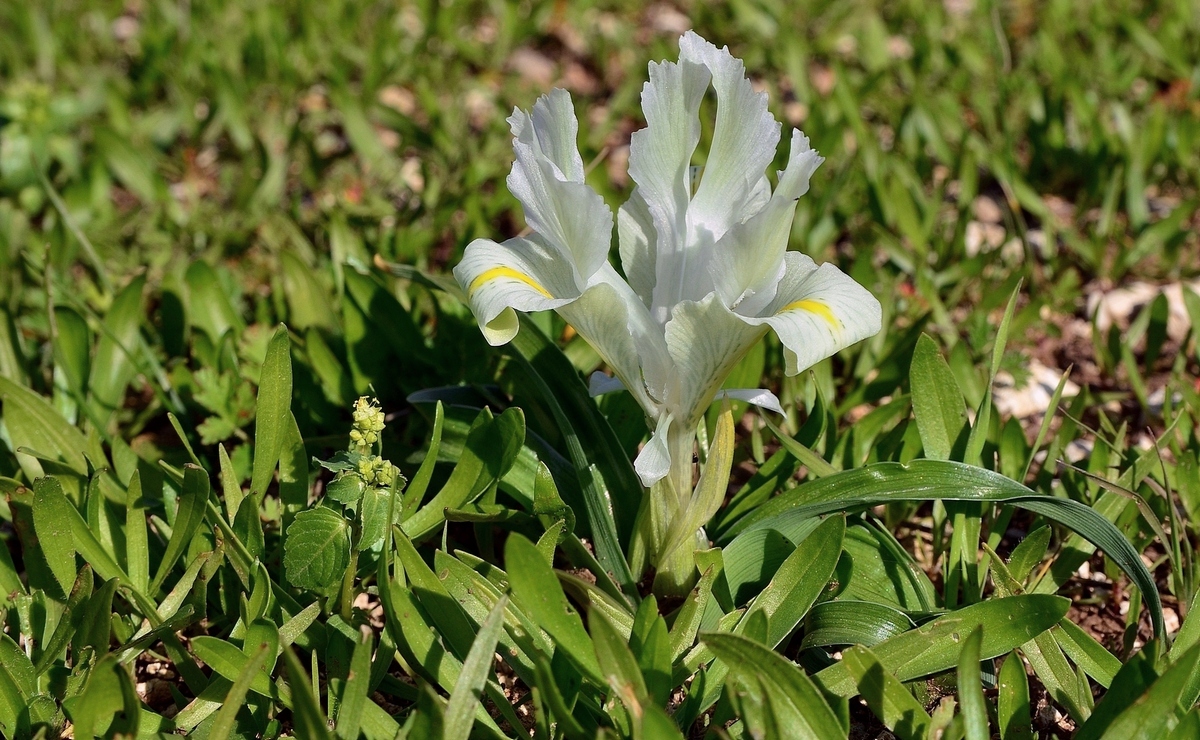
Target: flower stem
347	600
675	571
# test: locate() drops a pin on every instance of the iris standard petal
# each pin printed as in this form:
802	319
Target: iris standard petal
524	274
636	241
706	340
744	141
818	311
547	177
748	262
659	162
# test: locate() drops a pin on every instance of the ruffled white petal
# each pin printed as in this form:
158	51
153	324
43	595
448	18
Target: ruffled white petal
599	384
547	177
817	311
659	159
524	274
748	262
654	461
705	340
760	397
744	141
636	238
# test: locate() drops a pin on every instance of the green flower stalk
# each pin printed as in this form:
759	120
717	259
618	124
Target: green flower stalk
706	267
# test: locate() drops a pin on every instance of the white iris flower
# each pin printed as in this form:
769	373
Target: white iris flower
707	267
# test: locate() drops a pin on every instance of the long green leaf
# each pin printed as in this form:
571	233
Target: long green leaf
937	402
274	404
794	694
1154	713
52	523
1012	702
114	366
537	592
888	698
460	713
223	724
618	664
799	581
610	499
33	423
1008	622
923	480
354	690
307	716
193	507
970	688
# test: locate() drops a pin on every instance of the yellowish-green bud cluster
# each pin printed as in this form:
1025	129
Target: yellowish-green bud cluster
376	471
368	424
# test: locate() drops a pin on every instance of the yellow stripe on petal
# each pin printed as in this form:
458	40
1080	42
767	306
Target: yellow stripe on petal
505	272
813	307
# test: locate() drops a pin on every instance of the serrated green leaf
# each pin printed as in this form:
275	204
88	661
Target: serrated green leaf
316	551
346	488
374	508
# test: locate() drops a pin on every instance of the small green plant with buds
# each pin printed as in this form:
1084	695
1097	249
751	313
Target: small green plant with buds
323	543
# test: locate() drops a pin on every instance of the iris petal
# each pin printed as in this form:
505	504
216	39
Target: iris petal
547	177
818	311
524	274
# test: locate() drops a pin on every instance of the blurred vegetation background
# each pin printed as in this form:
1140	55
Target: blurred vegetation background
253	161
177	177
